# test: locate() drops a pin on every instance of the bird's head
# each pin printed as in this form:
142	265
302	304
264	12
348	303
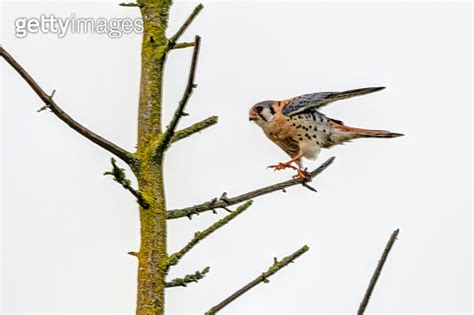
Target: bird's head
262	113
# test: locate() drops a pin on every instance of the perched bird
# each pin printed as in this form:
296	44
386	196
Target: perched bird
300	130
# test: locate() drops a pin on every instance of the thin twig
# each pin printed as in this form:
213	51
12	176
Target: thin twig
121	178
183	282
46	106
168	134
51	104
132	4
216	203
197	127
277	265
378	270
183	45
199	236
309	187
173	39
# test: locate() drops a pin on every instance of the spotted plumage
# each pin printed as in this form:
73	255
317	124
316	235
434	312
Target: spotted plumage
300	130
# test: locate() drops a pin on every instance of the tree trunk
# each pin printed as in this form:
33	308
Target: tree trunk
152	258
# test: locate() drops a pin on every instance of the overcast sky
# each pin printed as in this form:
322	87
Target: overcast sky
66	229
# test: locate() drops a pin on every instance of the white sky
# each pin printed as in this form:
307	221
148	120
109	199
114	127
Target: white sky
66	228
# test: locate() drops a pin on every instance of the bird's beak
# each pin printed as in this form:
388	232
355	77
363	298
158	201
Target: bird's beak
253	116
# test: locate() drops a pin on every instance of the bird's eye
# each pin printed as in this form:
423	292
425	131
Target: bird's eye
258	109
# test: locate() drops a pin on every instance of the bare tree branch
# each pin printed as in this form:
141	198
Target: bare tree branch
126	156
199	236
183	45
378	270
132	4
277	265
168	134
173	39
121	178
197	127
224	202
183	282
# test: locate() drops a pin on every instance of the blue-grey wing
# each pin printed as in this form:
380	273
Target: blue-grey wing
306	102
302	103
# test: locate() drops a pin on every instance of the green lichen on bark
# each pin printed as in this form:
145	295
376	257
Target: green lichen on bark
154	50
152	257
187	279
197	127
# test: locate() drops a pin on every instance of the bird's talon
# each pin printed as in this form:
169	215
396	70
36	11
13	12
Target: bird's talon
281	166
301	174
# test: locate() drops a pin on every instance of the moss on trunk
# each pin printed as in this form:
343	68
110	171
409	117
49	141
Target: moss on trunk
152	258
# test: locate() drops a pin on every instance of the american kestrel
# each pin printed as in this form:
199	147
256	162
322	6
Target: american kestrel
298	128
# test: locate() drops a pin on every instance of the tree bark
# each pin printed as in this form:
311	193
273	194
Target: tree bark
152	257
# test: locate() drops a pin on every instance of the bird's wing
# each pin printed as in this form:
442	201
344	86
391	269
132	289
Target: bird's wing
305	102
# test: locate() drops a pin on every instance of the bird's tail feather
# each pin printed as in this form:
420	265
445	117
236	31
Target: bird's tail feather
367	133
354	133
